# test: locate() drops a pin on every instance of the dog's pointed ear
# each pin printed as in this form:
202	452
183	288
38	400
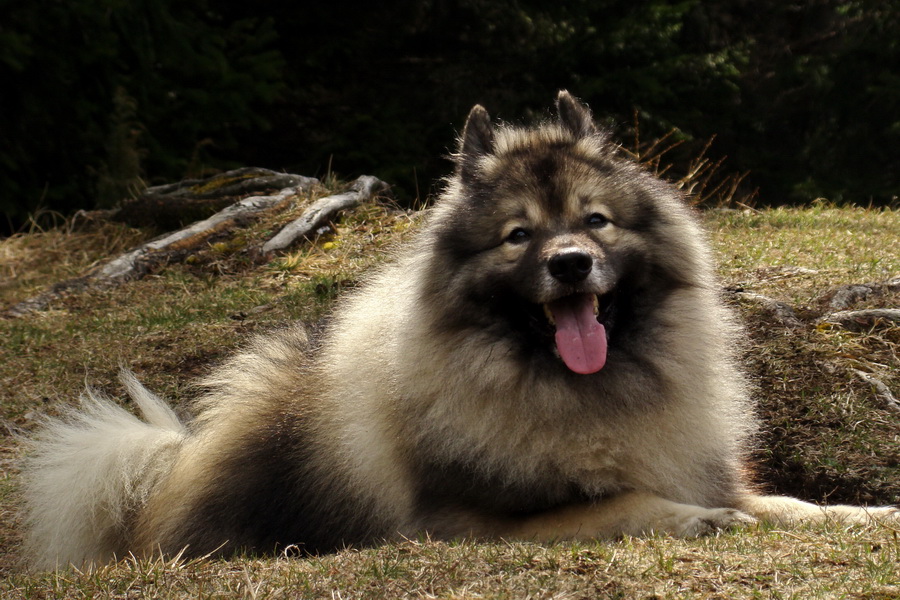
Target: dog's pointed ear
574	116
477	140
478	134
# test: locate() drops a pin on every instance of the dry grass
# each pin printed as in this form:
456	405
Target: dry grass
826	433
805	565
29	262
795	254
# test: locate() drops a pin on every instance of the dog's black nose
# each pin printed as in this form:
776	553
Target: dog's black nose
570	266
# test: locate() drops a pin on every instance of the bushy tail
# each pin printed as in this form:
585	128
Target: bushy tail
88	473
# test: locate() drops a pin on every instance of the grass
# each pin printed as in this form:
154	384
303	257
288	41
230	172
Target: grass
29	262
826	563
826	436
813	247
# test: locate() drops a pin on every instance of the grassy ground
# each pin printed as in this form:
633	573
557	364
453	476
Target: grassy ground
827	436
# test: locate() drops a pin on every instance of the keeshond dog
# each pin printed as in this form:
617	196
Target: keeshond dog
548	360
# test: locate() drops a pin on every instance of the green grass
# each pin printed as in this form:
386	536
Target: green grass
825	435
775	250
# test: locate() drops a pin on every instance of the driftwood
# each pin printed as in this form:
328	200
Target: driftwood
322	210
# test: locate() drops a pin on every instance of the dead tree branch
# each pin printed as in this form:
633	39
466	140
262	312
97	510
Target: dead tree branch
364	188
845	296
782	311
138	261
882	391
862	319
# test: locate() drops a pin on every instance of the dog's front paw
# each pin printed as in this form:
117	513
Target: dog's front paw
695	521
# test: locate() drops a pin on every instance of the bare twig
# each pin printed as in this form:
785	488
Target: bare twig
882	391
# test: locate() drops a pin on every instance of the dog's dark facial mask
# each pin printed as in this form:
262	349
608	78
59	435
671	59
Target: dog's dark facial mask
547	278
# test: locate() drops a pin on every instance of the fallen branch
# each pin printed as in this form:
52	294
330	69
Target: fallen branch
780	310
862	319
237	182
132	263
138	261
846	296
173	206
882	391
320	211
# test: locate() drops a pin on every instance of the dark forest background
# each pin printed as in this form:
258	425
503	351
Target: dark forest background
101	97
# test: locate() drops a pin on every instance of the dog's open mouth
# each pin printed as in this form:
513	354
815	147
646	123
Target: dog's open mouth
580	336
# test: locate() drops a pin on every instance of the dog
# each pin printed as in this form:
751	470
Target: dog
548	359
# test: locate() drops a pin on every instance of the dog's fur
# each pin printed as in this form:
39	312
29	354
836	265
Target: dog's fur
441	399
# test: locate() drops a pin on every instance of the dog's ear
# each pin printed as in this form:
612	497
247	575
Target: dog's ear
478	134
477	140
574	116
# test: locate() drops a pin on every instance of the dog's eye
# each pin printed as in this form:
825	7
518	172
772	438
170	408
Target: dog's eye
518	235
597	220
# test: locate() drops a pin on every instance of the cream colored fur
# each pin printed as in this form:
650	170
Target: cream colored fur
90	472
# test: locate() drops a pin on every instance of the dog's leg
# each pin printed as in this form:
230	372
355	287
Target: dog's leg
787	512
631	513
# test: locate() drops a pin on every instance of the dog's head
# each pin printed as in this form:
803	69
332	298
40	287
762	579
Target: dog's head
545	236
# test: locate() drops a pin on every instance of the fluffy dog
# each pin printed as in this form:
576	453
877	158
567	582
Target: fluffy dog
549	359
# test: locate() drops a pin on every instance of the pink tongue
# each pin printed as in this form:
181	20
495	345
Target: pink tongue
580	338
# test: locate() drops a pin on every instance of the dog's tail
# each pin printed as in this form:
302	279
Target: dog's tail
89	472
